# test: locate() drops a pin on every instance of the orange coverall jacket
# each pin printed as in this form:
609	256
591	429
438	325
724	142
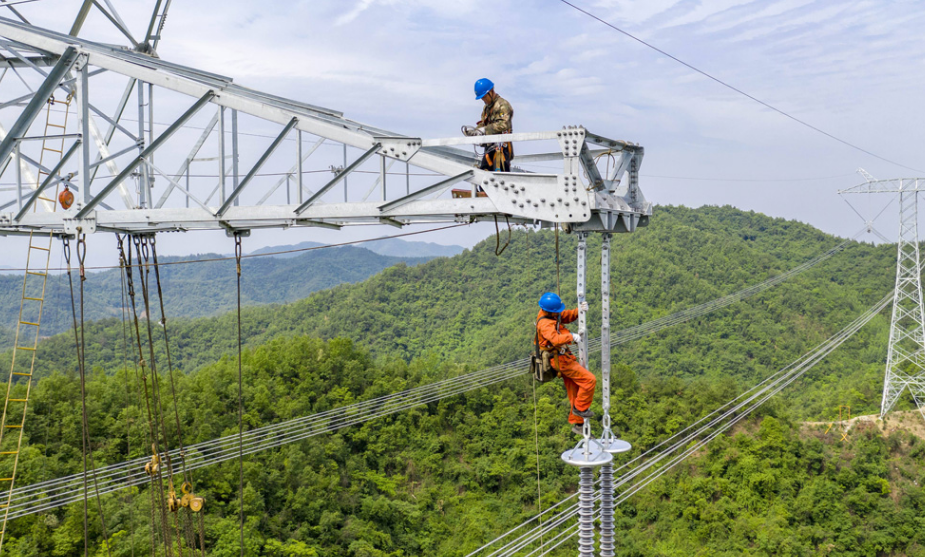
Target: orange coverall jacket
579	382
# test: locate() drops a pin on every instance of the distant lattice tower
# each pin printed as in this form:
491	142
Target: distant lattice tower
905	363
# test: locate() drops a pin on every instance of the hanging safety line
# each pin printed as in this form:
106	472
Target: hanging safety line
536	440
152	468
558	293
80	342
83	437
498	236
128	397
237	255
181	506
169	500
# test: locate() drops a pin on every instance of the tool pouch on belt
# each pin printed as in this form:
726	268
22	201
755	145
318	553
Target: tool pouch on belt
540	363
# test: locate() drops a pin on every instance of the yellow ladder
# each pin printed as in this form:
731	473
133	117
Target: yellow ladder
35	279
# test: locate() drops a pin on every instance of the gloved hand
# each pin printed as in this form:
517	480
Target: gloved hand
576	338
583	306
472	131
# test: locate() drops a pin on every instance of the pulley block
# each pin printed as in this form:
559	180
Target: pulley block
152	467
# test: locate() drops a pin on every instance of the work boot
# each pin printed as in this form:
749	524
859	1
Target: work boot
583	413
577	429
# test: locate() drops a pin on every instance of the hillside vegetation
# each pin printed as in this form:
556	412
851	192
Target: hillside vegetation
444	478
201	289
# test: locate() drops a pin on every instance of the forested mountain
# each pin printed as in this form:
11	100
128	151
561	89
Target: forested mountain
203	289
444	478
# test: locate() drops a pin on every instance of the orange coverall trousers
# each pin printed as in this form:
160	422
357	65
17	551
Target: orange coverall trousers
579	384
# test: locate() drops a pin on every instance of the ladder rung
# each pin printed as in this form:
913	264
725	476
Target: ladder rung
6	479
19	400
52	150
50	125
9	452
39	247
23	374
36	273
46	199
29	348
33	299
28	323
14	426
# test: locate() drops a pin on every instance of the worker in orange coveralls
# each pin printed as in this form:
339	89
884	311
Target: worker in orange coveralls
579	382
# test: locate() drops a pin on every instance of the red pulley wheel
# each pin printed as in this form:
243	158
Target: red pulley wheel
66	198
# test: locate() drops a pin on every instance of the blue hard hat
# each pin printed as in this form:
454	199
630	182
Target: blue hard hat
482	87
551	302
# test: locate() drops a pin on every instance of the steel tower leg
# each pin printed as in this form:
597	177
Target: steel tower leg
608	440
582	315
905	364
607	469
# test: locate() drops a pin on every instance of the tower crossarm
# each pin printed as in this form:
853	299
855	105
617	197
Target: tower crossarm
230	179
893	185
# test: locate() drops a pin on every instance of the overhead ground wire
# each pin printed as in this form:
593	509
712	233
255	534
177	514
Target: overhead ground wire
734	88
61	491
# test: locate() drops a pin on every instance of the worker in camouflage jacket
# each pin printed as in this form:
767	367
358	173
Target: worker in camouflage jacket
497	116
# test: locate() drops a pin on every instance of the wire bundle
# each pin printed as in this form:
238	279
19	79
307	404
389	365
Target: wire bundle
680	445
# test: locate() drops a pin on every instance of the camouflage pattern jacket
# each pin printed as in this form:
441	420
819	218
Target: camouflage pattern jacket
497	117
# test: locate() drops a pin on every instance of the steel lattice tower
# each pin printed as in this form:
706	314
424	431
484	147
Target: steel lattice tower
905	363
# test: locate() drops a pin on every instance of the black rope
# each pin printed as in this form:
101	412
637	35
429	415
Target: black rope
80	340
498	236
83	437
557	260
144	256
187	477
152	424
237	255
128	394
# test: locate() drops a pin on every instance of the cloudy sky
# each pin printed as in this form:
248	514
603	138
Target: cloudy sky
853	69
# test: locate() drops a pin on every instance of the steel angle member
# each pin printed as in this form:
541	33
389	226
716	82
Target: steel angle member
548	197
391	222
317	224
401	148
434	188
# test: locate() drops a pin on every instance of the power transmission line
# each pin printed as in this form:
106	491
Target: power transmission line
58	492
734	88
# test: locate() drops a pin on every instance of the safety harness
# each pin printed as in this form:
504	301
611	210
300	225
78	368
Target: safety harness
541	366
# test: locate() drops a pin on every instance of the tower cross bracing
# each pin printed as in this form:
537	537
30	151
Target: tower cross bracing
905	363
205	153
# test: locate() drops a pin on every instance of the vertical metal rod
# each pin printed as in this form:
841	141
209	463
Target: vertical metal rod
149	183
221	151
298	180
83	103
234	151
605	323
345	178
143	170
407	178
288	189
607	506
18	174
382	174
187	183
586	512
582	316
